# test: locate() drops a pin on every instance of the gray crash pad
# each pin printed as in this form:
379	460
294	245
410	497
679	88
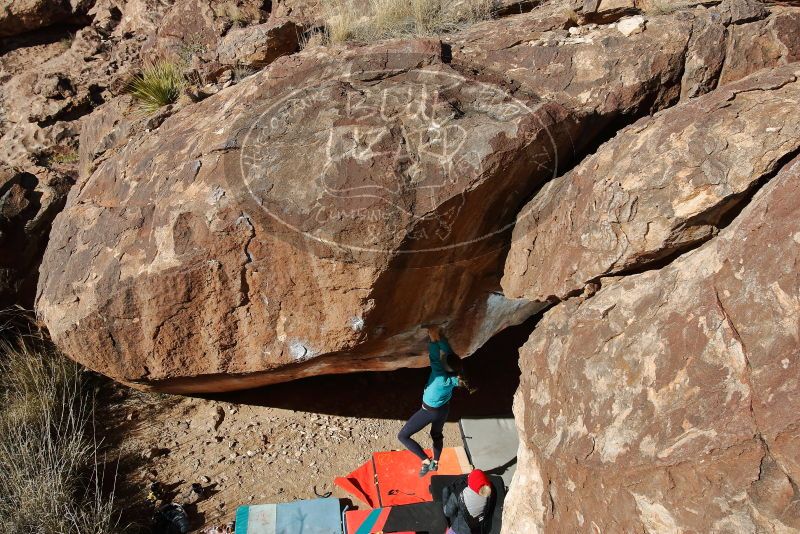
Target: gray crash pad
491	444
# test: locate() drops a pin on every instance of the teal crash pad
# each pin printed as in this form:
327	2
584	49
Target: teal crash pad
315	516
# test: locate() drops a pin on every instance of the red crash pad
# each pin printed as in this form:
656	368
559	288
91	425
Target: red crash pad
398	475
361	484
392	478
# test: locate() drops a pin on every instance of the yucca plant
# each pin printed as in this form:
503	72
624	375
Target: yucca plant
158	85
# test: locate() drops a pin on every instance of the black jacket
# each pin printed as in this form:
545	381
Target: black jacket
457	514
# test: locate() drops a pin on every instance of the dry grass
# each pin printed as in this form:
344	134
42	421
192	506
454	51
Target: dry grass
49	467
240	72
313	37
572	16
662	7
387	19
66	156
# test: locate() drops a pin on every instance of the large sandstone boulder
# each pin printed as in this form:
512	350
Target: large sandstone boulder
216	253
668	401
664	184
765	43
736	38
536	52
548	53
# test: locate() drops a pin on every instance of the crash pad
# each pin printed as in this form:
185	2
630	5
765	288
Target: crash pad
491	444
398	477
406	519
361	484
391	478
315	516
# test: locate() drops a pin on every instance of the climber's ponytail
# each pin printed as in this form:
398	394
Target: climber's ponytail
456	365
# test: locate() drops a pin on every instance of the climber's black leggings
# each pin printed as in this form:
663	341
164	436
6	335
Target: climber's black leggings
426	415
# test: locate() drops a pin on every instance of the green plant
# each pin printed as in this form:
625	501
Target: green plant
49	465
239	17
158	85
312	37
340	24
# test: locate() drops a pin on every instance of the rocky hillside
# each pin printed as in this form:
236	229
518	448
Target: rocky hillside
627	168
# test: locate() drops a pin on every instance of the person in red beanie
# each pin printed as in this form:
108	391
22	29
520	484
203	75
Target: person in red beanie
468	506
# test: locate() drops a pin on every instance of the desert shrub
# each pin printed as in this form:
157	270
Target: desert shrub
400	18
66	156
158	85
49	465
67	40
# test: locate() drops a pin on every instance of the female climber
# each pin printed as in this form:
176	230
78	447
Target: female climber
447	372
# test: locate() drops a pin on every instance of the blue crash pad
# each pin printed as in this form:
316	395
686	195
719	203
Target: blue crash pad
316	516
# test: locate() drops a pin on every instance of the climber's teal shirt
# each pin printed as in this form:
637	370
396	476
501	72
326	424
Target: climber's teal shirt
440	384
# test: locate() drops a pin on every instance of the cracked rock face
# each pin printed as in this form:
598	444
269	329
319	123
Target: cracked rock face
28	205
52	80
667	401
261	235
663	184
19	16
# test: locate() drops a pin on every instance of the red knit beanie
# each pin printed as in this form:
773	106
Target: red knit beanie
477	479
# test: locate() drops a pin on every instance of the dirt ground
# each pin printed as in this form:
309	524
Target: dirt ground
257	454
283	442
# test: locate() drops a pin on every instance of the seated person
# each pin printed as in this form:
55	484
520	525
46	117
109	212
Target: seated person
468	506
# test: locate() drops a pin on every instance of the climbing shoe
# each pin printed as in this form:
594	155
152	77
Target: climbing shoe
434	466
425	468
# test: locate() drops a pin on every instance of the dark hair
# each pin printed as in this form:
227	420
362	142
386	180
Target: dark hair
455	363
